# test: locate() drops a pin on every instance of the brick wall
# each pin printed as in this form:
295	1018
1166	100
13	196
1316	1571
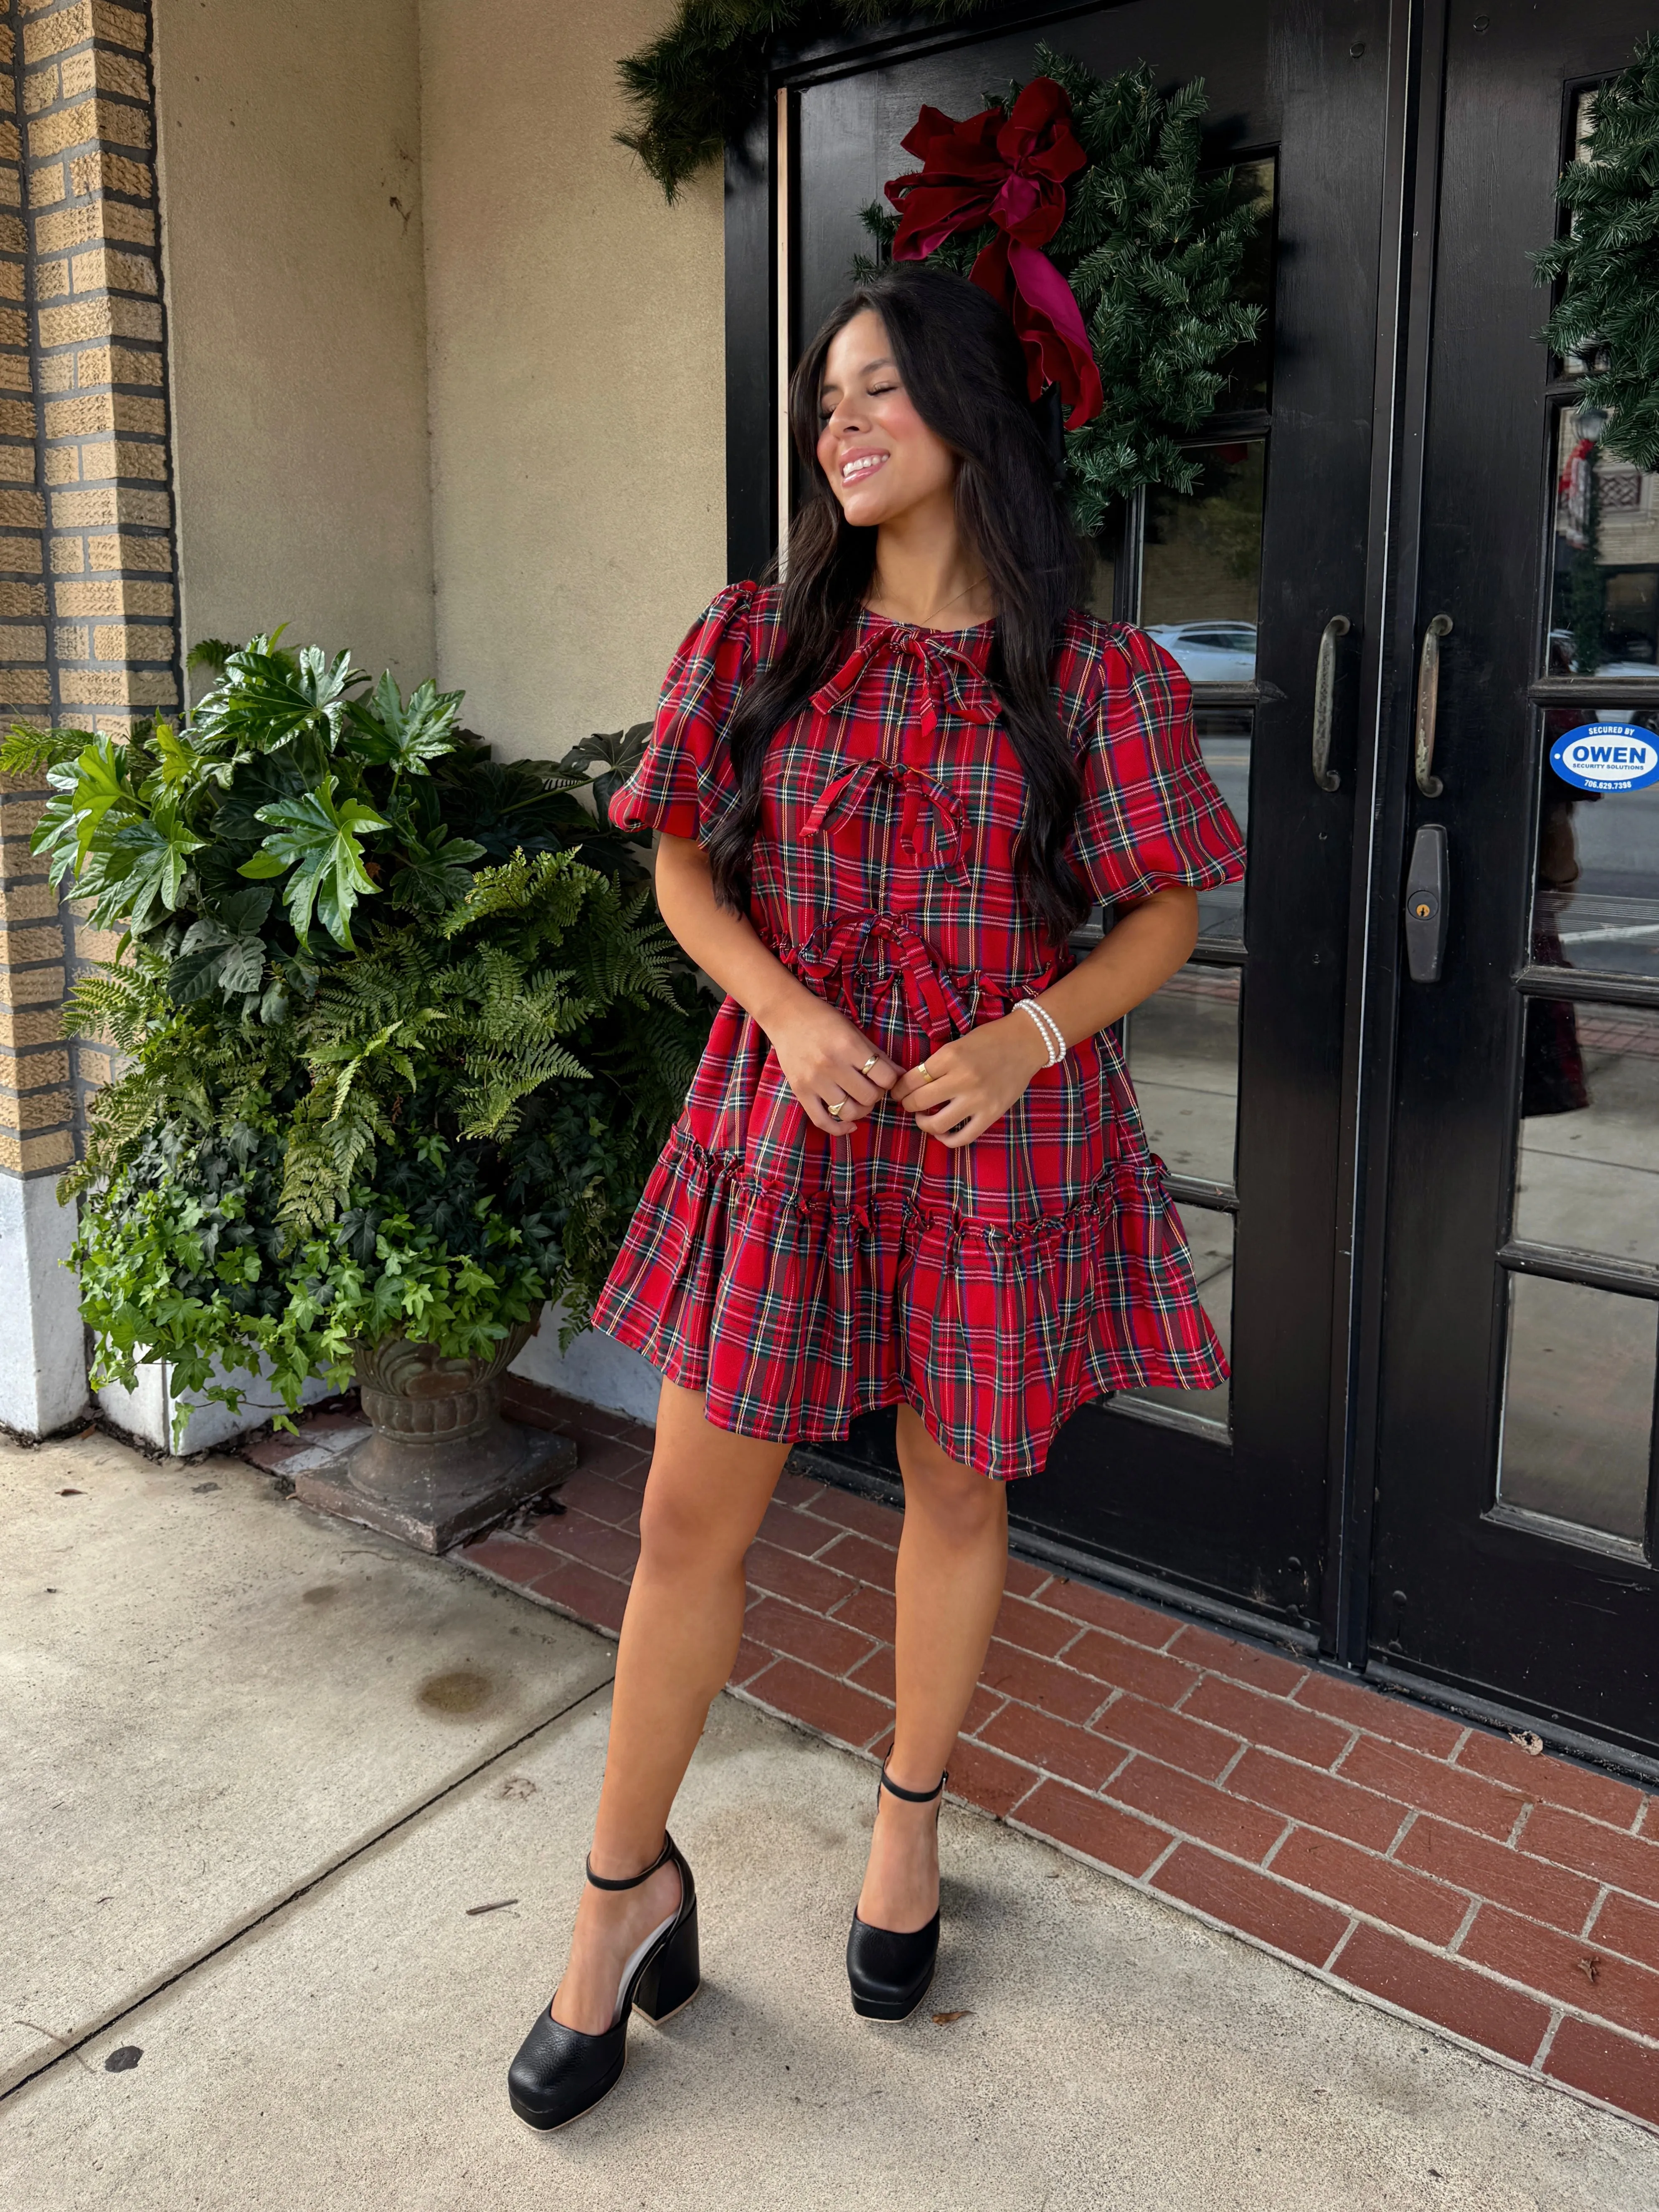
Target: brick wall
87	588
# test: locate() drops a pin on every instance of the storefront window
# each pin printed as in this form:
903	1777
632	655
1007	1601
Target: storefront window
1578	1405
1604	594
1201	565
1587	1177
1183	1061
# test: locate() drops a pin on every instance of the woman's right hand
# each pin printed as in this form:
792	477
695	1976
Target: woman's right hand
822	1054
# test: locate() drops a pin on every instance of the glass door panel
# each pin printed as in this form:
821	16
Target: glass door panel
1521	1345
1240	1058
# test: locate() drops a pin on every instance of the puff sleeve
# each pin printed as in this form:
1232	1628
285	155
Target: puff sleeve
1149	814
684	782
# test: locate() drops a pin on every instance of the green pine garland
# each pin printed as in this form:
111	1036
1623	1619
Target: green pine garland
1609	260
702	80
1153	253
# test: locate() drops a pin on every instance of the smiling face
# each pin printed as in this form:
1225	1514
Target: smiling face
881	459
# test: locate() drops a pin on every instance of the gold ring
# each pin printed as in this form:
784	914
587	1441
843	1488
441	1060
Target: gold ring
923	1071
869	1063
836	1109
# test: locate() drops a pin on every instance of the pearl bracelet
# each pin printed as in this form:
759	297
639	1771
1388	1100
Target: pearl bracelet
1054	1037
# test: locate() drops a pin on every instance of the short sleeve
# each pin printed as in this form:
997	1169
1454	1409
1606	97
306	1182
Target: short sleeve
1150	814
684	781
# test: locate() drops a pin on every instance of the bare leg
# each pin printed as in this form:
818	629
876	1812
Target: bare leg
952	1559
704	1499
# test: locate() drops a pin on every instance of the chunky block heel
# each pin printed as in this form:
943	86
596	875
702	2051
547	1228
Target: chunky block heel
560	2073
890	1972
673	1975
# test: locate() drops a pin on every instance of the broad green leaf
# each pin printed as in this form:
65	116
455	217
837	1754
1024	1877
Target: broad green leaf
266	699
177	763
146	863
94	783
404	739
322	841
213	957
242	966
244	912
435	874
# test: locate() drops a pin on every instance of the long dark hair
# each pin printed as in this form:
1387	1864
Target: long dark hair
963	368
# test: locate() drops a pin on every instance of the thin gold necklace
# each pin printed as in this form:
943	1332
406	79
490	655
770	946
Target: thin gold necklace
939	609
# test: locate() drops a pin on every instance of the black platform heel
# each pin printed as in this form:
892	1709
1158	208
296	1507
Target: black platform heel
560	2073
891	1973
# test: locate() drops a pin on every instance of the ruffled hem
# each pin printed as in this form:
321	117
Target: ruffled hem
794	1316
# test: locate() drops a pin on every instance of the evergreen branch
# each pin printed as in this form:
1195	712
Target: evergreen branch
1607	261
699	84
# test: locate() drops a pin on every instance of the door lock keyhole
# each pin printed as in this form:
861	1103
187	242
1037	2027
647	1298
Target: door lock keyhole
1425	904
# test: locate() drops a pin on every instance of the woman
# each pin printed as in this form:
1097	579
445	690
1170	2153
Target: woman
910	1170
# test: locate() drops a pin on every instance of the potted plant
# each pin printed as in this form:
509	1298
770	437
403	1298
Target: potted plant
403	1037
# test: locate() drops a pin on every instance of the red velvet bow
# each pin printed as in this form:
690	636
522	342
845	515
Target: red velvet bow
1008	167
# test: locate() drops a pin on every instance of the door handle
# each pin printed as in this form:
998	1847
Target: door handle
1428	705
1325	701
1426	887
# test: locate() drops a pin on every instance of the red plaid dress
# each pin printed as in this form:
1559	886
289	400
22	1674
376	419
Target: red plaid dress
799	1278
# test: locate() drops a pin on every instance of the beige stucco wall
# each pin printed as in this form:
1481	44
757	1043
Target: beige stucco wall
295	296
577	373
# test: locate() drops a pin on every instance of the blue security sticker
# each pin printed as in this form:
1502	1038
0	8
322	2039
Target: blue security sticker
1607	757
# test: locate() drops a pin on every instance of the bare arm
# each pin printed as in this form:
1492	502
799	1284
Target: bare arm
974	1080
1149	943
819	1050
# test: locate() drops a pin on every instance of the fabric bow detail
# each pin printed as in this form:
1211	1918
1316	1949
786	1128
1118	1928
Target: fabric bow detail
931	823
937	1004
951	682
1007	166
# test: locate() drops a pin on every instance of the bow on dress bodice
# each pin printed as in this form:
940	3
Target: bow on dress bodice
936	1002
933	823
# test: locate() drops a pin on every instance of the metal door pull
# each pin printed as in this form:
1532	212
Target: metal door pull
1428	705
1325	699
1425	904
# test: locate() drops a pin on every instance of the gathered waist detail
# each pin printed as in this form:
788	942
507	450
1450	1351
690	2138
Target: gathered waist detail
944	1001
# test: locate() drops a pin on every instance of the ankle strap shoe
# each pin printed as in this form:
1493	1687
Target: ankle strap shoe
890	1972
559	2073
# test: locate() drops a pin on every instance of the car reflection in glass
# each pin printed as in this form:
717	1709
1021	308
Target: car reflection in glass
1210	652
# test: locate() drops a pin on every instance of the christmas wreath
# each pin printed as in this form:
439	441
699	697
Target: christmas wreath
1078	203
1608	263
701	81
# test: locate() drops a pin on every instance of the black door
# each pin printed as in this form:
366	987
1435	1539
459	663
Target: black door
1238	1060
1516	1512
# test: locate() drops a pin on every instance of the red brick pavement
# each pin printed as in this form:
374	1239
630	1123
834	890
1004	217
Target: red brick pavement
1509	1896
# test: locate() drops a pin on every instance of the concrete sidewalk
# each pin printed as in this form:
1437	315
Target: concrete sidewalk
247	1824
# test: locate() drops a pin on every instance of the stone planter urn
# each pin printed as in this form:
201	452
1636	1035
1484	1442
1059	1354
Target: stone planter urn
441	1463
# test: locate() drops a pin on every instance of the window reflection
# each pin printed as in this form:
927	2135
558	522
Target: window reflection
1224	738
1596	900
1604	597
1578	1405
1247	366
1587	1174
1597	903
1184	1062
1201	565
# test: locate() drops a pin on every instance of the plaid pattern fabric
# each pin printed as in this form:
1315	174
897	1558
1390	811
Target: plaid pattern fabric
799	1278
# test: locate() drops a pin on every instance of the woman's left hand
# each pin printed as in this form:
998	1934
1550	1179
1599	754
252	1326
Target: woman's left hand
973	1080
